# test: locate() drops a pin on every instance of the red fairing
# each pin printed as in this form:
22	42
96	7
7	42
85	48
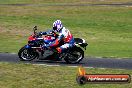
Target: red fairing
48	38
30	38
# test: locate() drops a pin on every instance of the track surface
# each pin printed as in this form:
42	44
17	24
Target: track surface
86	62
70	4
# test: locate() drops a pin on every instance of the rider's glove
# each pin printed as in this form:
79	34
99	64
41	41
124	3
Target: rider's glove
40	33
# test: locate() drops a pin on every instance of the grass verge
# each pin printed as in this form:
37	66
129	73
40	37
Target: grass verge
34	76
62	1
106	29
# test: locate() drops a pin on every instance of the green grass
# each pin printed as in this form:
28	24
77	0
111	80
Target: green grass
34	76
60	1
106	29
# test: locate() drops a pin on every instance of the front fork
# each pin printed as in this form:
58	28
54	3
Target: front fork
35	49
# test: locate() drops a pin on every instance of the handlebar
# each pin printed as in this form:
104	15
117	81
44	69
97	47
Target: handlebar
37	34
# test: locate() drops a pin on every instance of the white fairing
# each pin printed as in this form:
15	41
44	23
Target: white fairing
81	42
39	38
84	41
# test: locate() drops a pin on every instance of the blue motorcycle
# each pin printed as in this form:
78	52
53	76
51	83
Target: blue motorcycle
34	50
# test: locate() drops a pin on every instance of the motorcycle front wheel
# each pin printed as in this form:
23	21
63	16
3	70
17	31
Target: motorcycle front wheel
27	54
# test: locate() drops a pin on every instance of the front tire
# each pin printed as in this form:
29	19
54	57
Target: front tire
27	54
74	56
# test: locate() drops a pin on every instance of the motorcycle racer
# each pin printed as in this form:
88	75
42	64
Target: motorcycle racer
64	35
56	43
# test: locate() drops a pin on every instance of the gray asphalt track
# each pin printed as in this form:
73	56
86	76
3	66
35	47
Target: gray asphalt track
70	4
87	62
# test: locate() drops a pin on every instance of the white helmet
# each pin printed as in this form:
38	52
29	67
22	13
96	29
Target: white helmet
57	25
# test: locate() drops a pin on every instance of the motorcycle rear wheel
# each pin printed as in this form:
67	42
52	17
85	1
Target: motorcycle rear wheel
74	56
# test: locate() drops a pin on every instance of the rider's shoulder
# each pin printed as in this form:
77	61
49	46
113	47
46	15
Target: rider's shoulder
64	29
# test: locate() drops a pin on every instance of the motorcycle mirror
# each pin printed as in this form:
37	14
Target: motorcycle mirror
35	28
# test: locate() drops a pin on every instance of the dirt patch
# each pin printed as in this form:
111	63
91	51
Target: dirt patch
14	31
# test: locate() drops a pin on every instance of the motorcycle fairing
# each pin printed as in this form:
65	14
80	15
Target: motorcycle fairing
27	46
81	42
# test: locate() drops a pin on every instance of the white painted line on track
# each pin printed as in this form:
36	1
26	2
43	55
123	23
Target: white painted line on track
60	65
71	66
45	65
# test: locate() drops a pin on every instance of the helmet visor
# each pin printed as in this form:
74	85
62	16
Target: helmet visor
55	28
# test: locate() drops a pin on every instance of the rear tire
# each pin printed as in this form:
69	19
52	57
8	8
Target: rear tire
73	57
27	54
